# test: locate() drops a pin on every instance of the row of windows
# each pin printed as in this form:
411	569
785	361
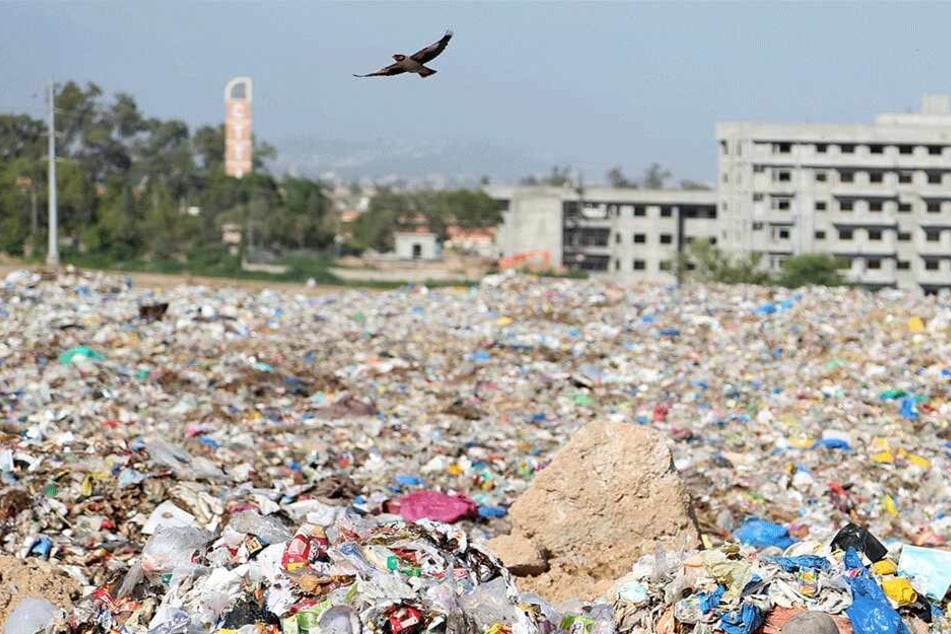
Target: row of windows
852	148
573	208
778	203
905	177
874	235
641	238
875	264
641	265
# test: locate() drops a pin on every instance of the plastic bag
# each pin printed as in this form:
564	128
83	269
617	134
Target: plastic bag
870	612
171	548
30	616
763	533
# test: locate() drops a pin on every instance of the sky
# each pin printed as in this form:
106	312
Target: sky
591	84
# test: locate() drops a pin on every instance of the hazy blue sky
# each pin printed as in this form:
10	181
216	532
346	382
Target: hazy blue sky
590	83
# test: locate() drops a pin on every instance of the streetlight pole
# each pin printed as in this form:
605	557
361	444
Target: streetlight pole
52	254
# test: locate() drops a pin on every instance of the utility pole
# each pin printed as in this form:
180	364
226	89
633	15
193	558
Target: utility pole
52	254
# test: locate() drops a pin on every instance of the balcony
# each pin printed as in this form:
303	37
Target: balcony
862	219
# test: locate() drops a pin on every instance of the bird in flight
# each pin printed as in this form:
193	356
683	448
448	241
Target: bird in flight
415	63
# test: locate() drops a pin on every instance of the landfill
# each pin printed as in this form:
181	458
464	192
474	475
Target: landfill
190	459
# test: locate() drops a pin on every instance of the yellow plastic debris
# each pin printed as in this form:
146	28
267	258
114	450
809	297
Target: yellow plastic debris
899	590
884	567
503	321
889	505
916	324
883	457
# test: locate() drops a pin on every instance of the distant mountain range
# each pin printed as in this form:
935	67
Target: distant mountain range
449	163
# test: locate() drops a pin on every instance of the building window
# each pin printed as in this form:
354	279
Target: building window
904	208
666	238
931	265
667	212
640	238
820	235
640	265
905	177
640	211
724	147
904	236
932	235
847	148
782	204
876	149
757	226
846	177
713	241
875	205
782	176
873	265
934	207
821	148
876	177
726	177
905	149
934	178
846	205
784	234
934	150
821	205
845	234
617	265
759	169
782	148
617	238
821	176
757	198
875	235
665	265
902	265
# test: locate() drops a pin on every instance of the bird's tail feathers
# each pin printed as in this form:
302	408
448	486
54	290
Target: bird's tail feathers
426	72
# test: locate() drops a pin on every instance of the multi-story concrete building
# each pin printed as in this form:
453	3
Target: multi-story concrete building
877	196
629	233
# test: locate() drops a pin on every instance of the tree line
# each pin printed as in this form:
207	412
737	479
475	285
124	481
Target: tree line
128	184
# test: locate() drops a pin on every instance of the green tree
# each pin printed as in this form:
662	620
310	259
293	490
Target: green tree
690	185
810	270
656	176
701	261
617	178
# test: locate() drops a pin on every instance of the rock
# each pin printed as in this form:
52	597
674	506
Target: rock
520	556
609	496
21	578
811	623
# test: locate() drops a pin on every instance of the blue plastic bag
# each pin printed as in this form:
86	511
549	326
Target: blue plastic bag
746	620
763	533
832	443
870	612
909	408
803	562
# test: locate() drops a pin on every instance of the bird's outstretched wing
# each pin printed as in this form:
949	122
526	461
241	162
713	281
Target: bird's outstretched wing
392	69
432	51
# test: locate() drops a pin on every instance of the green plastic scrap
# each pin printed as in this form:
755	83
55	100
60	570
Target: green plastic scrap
80	351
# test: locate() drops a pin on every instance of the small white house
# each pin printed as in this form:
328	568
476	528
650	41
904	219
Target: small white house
411	245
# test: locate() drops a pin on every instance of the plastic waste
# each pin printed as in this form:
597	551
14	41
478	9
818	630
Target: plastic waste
870	611
928	568
858	538
31	615
762	533
433	505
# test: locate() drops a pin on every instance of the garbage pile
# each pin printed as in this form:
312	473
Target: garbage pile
126	411
850	583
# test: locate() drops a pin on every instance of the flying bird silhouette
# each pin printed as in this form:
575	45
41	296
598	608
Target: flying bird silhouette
415	63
